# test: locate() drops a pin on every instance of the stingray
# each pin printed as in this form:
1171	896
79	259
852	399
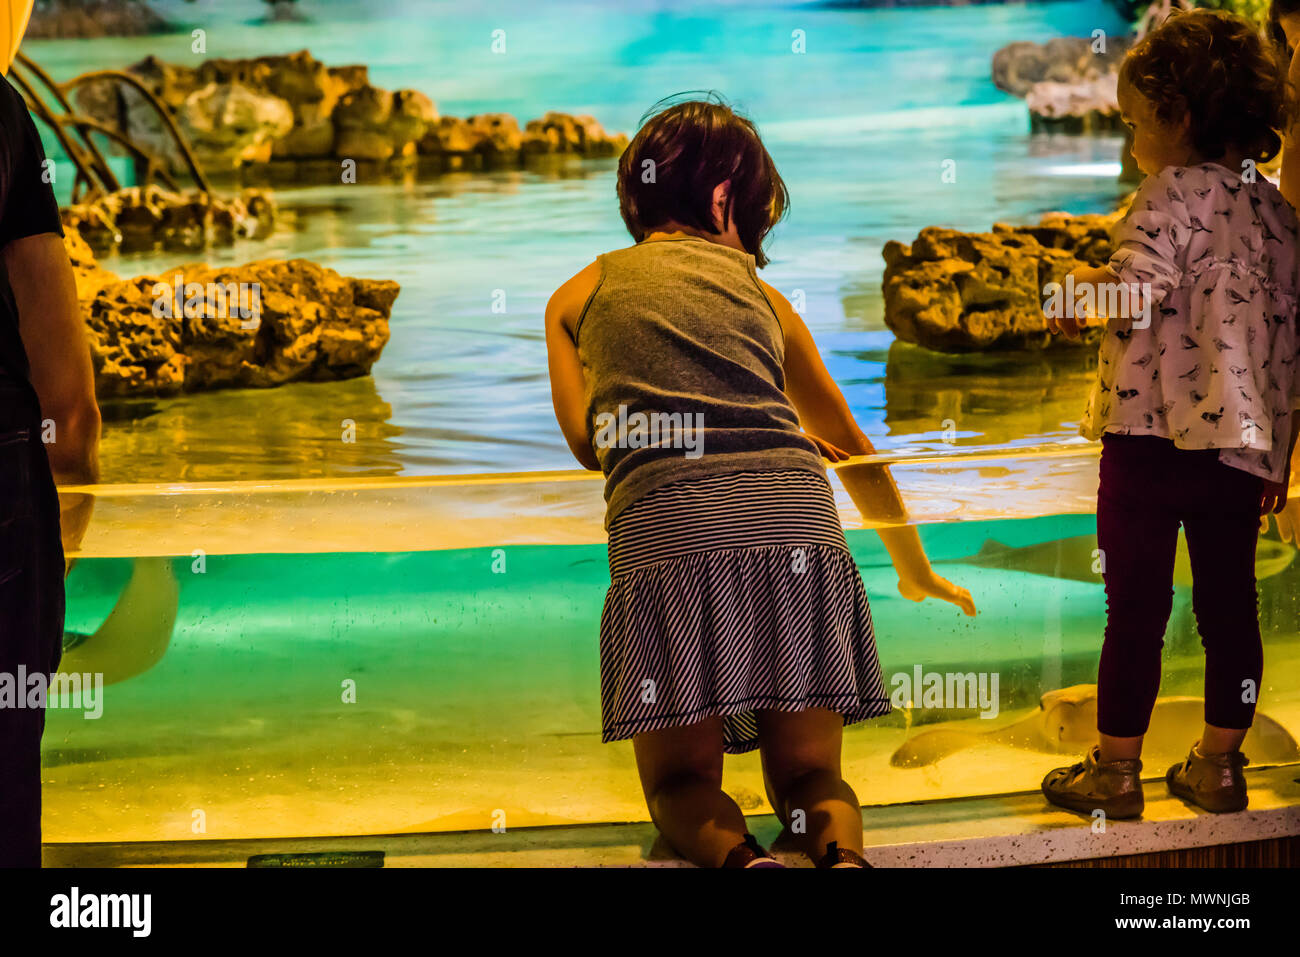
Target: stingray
136	633
1074	558
1066	723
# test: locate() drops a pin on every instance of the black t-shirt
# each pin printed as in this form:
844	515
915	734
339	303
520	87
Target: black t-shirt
27	208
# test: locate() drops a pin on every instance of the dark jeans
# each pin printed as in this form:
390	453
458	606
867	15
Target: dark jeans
1148	487
31	615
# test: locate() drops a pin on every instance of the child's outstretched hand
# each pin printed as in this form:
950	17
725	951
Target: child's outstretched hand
936	586
1288	523
1273	498
1285	511
913	586
1069	326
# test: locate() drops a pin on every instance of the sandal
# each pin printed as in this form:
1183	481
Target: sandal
837	856
749	853
1114	787
1214	782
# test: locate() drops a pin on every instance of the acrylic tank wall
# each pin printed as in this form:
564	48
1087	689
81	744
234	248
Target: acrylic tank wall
411	654
309	636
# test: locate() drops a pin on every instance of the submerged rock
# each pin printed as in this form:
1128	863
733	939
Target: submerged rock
972	292
151	217
257	325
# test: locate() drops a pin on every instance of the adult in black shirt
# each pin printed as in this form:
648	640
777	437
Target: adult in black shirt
49	429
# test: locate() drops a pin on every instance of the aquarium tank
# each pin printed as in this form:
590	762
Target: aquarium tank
369	603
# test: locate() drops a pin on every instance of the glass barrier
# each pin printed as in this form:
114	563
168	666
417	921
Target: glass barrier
333	657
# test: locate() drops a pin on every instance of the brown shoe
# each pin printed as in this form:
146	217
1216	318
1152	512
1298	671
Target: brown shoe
1111	786
1214	782
749	853
837	856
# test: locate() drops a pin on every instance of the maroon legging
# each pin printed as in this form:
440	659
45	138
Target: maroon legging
1148	487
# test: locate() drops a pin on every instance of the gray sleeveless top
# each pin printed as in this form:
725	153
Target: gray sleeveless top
682	355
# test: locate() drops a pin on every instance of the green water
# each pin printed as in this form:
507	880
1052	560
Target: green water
476	686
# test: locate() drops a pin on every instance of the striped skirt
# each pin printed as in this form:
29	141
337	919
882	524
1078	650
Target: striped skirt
731	594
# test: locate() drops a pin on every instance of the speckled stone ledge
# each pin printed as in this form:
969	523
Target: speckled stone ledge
1023	829
1000	831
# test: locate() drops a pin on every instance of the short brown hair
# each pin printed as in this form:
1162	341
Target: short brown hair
1215	66
694	145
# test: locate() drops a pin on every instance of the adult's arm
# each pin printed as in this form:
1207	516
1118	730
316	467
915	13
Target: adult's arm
54	335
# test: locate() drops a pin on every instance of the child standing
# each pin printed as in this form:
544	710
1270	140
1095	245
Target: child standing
1193	402
736	618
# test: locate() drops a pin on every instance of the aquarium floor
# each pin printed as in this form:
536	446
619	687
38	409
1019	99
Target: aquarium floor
1008	830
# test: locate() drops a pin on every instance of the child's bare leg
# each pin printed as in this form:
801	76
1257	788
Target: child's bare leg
801	767
1221	740
1120	749
681	775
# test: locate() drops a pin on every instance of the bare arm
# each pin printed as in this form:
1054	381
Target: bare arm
824	413
568	392
54	335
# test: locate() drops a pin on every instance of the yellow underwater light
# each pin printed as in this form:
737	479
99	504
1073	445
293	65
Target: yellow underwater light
14	15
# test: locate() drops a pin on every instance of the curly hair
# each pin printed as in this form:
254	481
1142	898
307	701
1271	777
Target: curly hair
1217	68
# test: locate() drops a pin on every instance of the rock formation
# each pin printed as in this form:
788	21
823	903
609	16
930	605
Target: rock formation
228	124
1066	85
1018	66
969	292
93	18
294	107
90	275
373	124
151	218
562	133
1083	106
197	328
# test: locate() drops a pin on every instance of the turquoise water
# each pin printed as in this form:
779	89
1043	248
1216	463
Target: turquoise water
544	595
859	125
377	692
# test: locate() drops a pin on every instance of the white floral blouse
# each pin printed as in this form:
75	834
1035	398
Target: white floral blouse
1216	368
